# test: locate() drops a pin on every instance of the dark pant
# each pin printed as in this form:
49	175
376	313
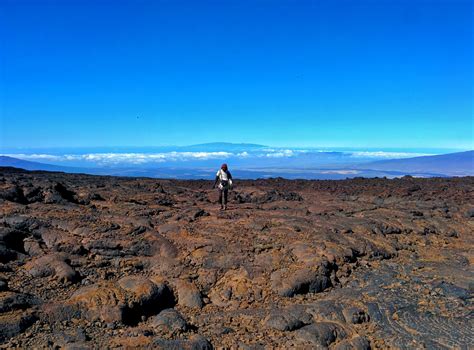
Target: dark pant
223	198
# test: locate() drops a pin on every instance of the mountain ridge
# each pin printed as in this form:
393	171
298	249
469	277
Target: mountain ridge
451	164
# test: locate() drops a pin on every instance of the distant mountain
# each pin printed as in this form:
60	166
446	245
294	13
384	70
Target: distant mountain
452	164
28	165
222	147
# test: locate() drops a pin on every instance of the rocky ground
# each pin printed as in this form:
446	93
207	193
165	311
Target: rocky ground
106	262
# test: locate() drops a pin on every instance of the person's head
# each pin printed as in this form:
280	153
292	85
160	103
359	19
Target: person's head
224	167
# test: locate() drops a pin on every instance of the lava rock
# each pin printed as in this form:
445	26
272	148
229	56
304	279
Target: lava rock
300	282
355	315
188	294
3	285
10	301
287	319
52	265
356	343
321	334
195	342
13	323
125	301
170	320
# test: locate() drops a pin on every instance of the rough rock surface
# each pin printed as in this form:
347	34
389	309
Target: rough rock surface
104	262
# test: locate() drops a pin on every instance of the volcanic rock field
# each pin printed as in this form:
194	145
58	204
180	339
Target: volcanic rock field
91	262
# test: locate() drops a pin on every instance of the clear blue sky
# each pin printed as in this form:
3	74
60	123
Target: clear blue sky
330	73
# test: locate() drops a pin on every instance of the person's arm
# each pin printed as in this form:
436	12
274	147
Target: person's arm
215	182
229	175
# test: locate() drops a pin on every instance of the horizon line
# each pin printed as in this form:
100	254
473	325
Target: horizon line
56	147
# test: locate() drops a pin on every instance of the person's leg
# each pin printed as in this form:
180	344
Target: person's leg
220	198
225	197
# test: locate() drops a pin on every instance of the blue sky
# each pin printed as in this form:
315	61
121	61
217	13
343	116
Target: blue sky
285	73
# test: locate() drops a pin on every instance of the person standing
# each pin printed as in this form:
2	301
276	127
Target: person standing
224	178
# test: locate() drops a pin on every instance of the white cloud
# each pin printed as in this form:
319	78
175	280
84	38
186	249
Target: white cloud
140	158
132	158
386	155
280	154
143	158
203	155
341	172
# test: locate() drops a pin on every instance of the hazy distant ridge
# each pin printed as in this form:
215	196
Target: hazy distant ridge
28	165
453	164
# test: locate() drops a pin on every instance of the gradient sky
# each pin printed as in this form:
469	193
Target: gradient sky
321	73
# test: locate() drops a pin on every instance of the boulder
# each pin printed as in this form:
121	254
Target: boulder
170	320
59	240
10	301
59	194
188	294
14	322
52	265
306	254
13	194
33	247
287	283
326	310
320	334
236	286
287	319
125	301
356	343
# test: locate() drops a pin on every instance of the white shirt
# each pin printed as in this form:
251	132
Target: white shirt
222	175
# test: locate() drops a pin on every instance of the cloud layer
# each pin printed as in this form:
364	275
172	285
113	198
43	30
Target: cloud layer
137	158
385	155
